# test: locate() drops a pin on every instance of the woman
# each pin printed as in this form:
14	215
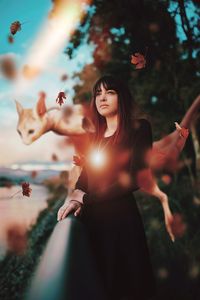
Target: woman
103	196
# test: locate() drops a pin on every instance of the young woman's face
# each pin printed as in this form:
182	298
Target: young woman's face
106	102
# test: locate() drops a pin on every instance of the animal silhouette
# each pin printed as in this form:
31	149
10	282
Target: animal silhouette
74	122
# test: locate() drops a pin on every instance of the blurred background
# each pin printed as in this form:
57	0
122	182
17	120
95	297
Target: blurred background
56	46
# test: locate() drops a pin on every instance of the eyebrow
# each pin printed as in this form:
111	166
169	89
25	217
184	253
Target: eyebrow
99	90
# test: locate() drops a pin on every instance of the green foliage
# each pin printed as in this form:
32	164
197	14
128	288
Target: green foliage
16	271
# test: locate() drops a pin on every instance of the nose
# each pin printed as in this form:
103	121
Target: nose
103	97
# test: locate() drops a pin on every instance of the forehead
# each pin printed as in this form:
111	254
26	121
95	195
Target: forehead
104	86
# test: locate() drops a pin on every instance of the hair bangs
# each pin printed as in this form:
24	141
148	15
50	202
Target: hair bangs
107	82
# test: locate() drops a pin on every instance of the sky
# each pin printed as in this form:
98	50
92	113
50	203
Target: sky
33	18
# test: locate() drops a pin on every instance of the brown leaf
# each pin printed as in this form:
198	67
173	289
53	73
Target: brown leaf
10	39
60	98
16	238
8	67
26	190
178	225
138	60
64	77
14	27
78	160
54	157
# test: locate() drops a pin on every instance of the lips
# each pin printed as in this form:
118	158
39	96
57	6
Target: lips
103	105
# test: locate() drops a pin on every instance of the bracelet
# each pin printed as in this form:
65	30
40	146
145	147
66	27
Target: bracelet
76	201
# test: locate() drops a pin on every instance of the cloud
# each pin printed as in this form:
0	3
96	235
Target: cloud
13	150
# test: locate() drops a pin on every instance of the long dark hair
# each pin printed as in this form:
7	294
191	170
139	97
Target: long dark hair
126	109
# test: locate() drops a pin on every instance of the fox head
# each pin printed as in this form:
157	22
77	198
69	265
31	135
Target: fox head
32	123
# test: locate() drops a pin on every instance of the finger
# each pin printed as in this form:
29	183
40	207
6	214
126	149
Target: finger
67	211
77	212
59	214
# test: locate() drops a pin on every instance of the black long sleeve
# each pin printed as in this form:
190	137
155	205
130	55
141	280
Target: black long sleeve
82	182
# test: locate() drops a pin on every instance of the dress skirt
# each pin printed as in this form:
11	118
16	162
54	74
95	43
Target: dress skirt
119	245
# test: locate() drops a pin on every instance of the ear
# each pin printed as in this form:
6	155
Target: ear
41	106
19	107
87	125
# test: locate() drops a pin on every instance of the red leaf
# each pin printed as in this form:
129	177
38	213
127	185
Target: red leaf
178	225
78	160
26	190
138	60
64	77
16	236
8	67
14	27
54	157
10	39
34	173
60	98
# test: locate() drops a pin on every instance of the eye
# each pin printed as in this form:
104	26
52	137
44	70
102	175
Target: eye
111	91
19	132
31	131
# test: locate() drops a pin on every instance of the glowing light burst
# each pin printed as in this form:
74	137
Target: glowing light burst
53	37
97	158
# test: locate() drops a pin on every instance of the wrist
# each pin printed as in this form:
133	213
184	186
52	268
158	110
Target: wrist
78	195
73	200
164	200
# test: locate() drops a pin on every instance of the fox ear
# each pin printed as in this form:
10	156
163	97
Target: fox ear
19	107
88	125
41	106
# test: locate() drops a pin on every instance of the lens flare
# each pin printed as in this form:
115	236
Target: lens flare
52	38
97	158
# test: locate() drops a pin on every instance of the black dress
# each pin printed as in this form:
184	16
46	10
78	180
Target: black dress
113	221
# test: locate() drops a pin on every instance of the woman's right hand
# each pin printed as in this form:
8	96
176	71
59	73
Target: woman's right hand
73	203
68	207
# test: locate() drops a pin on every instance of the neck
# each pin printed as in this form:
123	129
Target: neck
53	117
112	122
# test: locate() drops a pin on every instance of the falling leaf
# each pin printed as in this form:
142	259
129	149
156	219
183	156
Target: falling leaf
166	179
54	157
34	173
64	77
26	190
8	67
154	27
8	184
14	27
178	226
10	39
78	160
60	98
138	60
124	179
30	72
16	238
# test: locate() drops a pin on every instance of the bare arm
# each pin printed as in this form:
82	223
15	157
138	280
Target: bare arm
143	174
